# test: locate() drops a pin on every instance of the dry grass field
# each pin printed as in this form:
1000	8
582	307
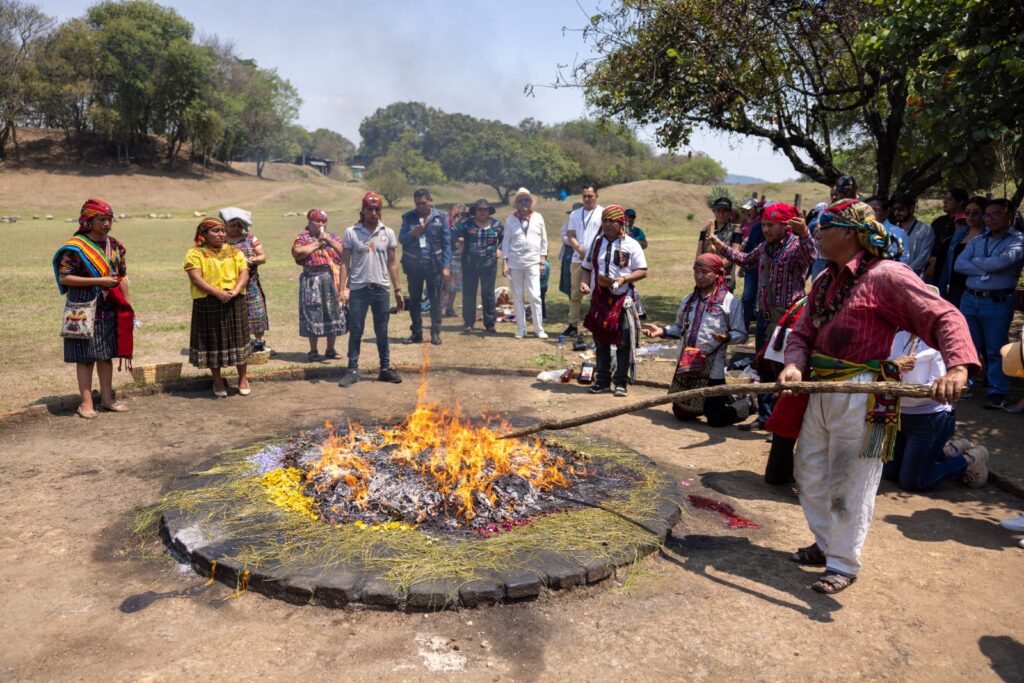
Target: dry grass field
30	309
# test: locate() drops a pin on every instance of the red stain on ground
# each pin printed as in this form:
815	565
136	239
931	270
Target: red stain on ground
724	509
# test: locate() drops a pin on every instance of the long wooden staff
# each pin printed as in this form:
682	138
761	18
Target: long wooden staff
891	388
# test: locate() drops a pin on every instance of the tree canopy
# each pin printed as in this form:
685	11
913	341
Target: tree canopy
823	82
129	73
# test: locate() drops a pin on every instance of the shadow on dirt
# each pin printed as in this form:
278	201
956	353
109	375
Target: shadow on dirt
714	556
1006	656
941	525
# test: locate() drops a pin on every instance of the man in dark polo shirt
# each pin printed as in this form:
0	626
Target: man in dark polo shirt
426	258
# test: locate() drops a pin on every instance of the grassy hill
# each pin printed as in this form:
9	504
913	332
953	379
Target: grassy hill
31	308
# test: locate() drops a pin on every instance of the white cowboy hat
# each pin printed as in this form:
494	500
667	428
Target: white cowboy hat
523	192
1013	359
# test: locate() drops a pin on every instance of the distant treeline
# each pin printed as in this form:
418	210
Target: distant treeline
409	142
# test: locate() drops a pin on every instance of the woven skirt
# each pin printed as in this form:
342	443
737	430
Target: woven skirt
220	333
256	302
320	313
103	344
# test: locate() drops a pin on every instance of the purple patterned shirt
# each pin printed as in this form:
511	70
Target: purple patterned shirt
781	269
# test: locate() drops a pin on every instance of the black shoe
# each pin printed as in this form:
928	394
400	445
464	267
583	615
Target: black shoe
313	356
599	388
621	390
389	375
349	378
490	330
995	402
570	331
756	424
435	338
579	344
415	339
330	354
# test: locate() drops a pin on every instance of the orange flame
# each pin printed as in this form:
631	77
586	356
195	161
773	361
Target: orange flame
461	460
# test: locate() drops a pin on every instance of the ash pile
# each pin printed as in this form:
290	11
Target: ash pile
366	476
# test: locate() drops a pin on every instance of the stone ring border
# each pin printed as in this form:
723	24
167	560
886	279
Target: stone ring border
348	586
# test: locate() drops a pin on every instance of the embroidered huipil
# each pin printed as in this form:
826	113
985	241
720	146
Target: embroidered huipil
888	297
781	269
321	257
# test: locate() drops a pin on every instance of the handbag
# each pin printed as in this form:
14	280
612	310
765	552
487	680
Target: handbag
79	319
692	362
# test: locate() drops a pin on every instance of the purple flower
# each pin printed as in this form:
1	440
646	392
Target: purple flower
268	459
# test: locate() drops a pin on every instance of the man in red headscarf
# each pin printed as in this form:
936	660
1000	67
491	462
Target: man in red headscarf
782	261
369	270
615	261
708	320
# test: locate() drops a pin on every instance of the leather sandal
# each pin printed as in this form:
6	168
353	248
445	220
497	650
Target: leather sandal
831	583
86	414
811	555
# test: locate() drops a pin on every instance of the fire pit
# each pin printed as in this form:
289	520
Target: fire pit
431	513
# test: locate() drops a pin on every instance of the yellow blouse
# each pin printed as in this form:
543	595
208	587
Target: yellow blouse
220	269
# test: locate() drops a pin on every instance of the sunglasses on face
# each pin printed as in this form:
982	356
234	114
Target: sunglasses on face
524	200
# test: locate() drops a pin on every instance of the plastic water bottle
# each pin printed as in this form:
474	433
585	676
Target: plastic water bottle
561	350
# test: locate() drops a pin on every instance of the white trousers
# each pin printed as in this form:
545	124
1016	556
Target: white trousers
837	486
526	280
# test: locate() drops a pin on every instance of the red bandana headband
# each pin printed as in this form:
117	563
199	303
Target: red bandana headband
372	200
780	212
91	209
316	215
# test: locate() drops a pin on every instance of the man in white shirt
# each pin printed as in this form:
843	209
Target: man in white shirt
524	248
614	262
584	225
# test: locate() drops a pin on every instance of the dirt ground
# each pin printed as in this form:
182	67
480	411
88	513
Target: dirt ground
939	599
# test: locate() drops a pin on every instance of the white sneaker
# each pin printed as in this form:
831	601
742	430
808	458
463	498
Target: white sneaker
542	335
1015	524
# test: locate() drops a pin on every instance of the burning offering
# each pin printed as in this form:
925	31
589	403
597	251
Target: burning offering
433	512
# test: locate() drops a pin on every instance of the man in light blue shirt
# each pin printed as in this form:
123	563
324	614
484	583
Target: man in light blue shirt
920	236
992	263
880	205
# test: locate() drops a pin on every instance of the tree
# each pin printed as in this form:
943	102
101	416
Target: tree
967	85
695	169
388	124
68	66
327	144
385	175
794	76
21	25
143	43
271	105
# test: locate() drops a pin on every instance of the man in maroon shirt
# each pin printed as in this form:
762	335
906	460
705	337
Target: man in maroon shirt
853	312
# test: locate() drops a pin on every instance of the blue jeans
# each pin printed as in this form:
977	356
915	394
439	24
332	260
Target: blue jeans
918	461
421	276
377	300
989	322
477	274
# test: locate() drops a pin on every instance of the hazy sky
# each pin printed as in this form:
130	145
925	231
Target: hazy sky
347	58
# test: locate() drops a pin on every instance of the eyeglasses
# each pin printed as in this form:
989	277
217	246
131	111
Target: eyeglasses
991	216
524	200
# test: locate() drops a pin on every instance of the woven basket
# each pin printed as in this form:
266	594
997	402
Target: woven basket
156	373
259	357
736	377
